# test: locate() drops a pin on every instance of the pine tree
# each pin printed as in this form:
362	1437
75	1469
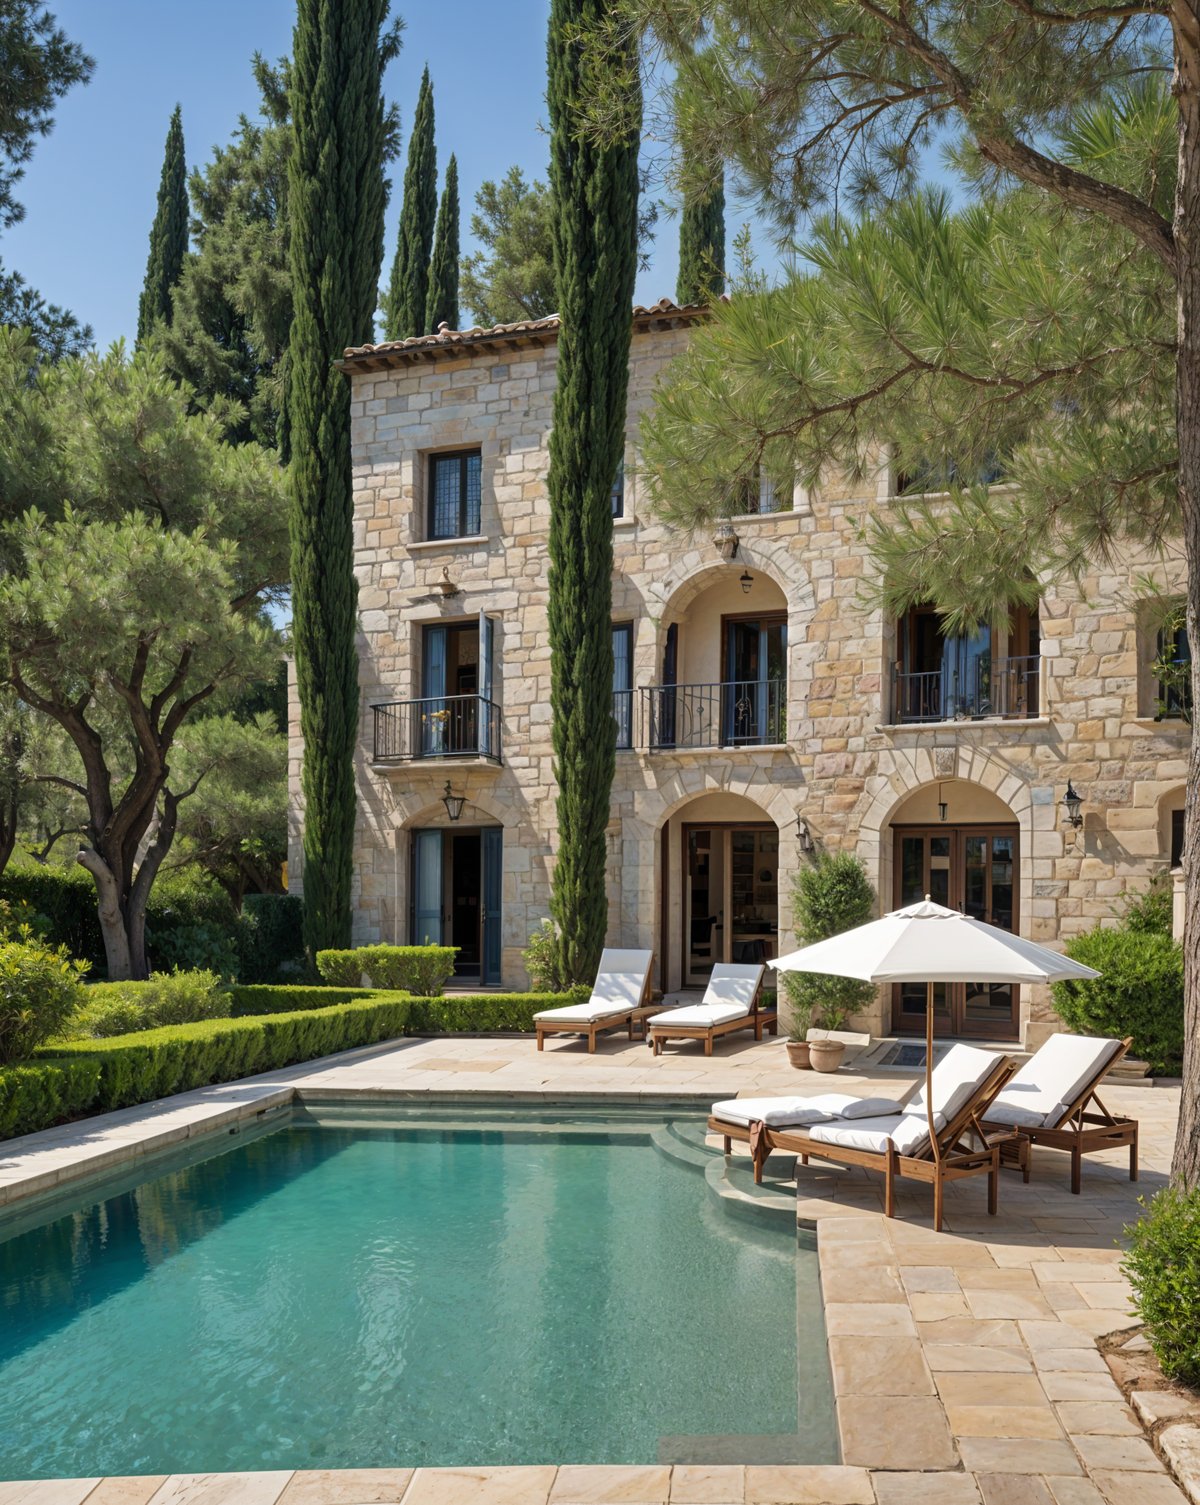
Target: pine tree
336	200
702	241
168	235
595	188
442	304
408	289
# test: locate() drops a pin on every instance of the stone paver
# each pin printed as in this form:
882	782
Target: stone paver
965	1364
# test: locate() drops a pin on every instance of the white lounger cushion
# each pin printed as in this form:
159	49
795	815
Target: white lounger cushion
797	1112
909	1132
956	1078
620	984
702	1015
732	982
1049	1082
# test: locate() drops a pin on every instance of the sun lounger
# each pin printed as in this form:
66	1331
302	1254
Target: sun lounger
964	1084
1047	1102
621	996
730	1003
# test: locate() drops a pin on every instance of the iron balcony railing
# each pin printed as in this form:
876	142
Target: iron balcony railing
1002	687
440	726
735	713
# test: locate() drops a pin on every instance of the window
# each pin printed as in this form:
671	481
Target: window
979	674
454	492
754	495
1174	665
926	473
622	645
617	493
1178	819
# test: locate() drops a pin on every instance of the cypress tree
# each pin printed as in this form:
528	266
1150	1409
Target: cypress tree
408	289
702	242
336	199
442	304
595	189
168	235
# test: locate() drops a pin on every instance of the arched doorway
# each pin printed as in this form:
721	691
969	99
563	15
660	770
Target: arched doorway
960	844
452	874
721	889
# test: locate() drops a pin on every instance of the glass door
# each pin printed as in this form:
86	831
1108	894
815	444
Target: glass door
972	869
755	669
731	897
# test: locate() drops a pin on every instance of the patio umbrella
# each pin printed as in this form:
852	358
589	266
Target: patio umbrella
928	943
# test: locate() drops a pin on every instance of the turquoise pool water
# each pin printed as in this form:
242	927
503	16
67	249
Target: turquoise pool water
324	1297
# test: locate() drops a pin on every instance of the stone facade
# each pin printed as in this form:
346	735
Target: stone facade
843	766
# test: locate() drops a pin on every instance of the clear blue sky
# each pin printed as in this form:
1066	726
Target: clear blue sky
89	191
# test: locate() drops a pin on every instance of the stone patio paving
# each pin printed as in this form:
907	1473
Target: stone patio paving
965	1363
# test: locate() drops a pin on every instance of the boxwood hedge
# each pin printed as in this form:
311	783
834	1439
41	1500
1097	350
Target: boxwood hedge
83	1077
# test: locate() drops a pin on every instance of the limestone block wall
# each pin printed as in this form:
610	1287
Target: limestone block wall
844	766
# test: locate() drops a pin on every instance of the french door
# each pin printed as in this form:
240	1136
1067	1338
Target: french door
973	869
457	881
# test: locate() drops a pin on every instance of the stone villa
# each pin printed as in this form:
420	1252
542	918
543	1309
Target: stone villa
760	711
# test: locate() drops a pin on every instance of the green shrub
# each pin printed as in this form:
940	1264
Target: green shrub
40	989
285	998
1153	910
420	970
1140	993
39	1095
480	1013
831	894
155	1063
543	959
119	1008
269	939
1163	1265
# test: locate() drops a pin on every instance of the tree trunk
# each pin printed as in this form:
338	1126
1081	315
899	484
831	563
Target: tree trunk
1185	1169
124	964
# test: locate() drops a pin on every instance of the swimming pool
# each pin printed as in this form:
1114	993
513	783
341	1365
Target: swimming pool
353	1292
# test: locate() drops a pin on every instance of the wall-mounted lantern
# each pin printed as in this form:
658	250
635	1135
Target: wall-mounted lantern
453	802
803	834
1072	804
746	581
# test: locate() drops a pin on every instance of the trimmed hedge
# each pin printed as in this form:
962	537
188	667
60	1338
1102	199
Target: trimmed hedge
285	998
423	970
94	1076
480	1013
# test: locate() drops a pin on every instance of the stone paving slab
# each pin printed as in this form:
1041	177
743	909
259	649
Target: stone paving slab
965	1363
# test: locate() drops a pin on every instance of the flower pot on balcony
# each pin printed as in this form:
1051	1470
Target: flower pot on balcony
826	1055
798	1054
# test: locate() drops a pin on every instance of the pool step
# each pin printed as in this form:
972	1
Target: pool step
683	1143
741	1196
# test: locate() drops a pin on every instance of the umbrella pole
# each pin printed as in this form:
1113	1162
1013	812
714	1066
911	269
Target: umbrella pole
929	1070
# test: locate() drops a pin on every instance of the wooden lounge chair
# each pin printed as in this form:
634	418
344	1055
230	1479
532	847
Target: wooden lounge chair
730	1003
1048	1101
964	1083
621	996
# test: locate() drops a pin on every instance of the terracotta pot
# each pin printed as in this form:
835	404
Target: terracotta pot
826	1054
798	1054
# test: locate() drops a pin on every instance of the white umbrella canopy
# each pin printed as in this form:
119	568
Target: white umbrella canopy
928	943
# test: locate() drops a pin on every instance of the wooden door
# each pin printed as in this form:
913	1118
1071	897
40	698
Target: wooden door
973	869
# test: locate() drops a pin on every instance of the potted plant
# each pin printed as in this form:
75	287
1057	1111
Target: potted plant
829	895
797	1036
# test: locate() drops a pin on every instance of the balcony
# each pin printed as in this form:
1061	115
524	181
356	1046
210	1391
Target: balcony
439	727
1004	688
676	718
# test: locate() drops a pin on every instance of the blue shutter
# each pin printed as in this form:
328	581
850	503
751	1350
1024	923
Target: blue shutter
427	888
493	887
487	650
433	692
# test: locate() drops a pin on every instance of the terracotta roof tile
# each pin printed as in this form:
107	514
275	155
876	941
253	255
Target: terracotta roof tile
661	315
